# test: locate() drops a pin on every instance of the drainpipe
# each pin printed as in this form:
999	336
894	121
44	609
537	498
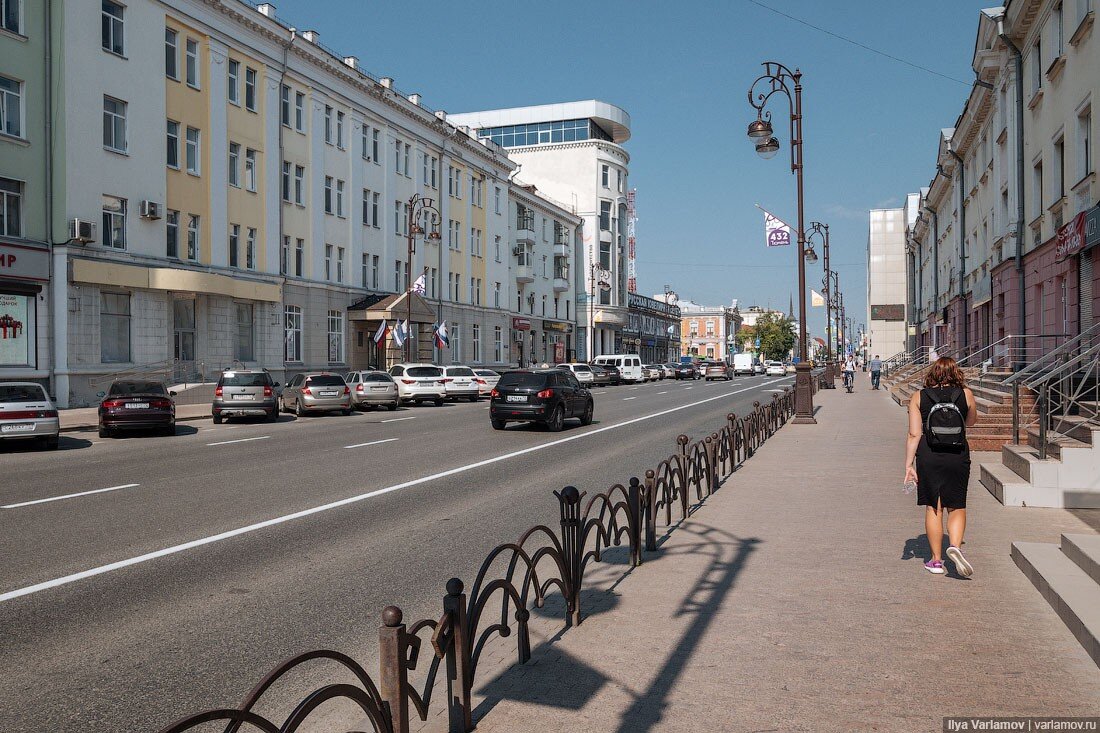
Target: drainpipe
279	196
59	256
935	263
965	321
1018	63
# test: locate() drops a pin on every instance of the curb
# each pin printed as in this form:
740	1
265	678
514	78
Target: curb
95	426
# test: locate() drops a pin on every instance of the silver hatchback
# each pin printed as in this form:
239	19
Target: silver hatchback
372	389
317	392
26	413
245	393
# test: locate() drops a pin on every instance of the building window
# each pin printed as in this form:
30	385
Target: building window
192	236
113	28
11	107
246	333
250	249
192	63
234	244
250	89
498	344
496	199
374	271
366	207
11	208
339	264
114	222
284	257
292	351
605	173
114	124
300	111
364	142
475	341
1037	190
433	283
173	145
396	156
340	198
1036	67
328	194
340	130
172	233
375	144
1059	168
496	295
250	169
1084	143
284	105
114	328
365	271
183	326
328	124
1057	31
299	257
397	217
233	90
405	160
192	152
605	216
456	343
286	180
171	53
328	262
300	185
10	15
619	180
335	337
398	281
235	165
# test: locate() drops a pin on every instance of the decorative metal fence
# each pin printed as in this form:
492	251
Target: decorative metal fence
514	578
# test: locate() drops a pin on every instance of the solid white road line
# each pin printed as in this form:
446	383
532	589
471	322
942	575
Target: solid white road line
399	419
240	440
68	496
373	442
176	549
629	398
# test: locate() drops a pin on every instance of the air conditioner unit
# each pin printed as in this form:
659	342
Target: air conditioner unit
149	210
81	231
517	335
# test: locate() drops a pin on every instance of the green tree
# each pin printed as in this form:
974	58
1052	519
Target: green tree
776	334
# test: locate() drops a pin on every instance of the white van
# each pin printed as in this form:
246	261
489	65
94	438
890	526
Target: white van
742	364
629	365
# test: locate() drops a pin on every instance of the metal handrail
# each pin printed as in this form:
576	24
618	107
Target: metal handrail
165	366
1080	367
1051	358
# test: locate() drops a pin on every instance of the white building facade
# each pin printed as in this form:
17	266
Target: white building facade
887	282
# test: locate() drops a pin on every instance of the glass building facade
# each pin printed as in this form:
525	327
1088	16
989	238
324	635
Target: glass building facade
538	133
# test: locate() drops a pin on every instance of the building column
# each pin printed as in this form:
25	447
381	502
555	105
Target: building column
59	330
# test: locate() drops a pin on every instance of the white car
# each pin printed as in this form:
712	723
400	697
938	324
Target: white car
775	369
582	372
460	382
419	383
26	413
487	379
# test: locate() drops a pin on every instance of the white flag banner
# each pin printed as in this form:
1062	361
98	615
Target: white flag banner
816	300
777	233
418	286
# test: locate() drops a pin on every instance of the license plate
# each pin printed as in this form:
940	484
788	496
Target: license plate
517	398
377	389
23	427
137	405
428	383
328	394
462	383
244	397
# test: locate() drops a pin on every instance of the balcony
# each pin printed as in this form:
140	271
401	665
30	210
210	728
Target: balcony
562	249
525	228
524	273
561	284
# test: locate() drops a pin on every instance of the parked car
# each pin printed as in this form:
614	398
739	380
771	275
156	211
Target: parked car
614	374
372	388
317	392
137	404
629	366
789	366
670	370
685	370
460	382
419	383
757	366
487	379
659	369
245	393
546	396
601	377
582	372
717	370
26	413
775	369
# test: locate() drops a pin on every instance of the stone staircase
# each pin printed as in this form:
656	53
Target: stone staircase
994	400
1069	578
1069	477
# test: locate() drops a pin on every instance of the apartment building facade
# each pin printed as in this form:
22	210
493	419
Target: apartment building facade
709	332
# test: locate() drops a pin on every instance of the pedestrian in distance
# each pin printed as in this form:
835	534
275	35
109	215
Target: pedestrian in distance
937	459
876	371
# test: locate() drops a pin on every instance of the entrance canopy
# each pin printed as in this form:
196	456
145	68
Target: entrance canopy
377	307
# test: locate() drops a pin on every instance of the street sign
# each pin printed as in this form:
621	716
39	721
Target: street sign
758	343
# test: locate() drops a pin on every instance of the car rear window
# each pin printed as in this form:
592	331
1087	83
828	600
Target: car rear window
522	379
125	388
424	372
326	380
486	373
461	372
259	379
377	377
21	393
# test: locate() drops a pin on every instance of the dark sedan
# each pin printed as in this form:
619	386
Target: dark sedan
545	396
613	373
685	371
137	404
601	377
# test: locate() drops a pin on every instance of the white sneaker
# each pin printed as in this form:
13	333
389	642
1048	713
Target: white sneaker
962	565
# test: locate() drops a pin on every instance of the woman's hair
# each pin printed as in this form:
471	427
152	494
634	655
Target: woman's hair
945	372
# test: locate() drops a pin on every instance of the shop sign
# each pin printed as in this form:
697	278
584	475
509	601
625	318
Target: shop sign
521	324
19	262
557	326
637	301
16	313
1071	238
1092	227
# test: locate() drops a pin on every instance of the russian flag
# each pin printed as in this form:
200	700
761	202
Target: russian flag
380	334
441	338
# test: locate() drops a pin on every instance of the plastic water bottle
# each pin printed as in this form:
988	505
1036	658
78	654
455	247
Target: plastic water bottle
909	487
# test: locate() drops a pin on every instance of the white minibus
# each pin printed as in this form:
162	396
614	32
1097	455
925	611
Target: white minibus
629	365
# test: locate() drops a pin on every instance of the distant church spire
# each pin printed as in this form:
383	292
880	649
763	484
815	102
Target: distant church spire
791	311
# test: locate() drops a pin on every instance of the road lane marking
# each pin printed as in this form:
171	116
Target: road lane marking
665	392
68	496
202	541
687	388
399	419
240	440
373	442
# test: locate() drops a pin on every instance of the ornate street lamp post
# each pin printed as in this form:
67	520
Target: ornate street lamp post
817	228
777	78
423	218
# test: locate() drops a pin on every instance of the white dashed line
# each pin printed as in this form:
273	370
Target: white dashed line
629	398
399	419
373	442
68	496
240	440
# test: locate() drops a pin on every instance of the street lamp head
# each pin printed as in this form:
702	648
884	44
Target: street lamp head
760	129
811	256
767	148
435	236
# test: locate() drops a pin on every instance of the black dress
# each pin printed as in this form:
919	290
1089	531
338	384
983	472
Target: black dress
942	474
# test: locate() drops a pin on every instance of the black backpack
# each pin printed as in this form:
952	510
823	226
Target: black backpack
945	426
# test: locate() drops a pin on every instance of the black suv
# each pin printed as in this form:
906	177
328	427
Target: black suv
547	396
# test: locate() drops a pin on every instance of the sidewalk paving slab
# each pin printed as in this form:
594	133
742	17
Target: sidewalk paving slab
795	599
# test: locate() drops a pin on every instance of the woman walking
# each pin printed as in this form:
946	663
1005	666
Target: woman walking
937	458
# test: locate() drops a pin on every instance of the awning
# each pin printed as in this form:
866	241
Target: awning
392	307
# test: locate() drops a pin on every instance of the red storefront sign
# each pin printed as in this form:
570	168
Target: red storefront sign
521	324
1071	238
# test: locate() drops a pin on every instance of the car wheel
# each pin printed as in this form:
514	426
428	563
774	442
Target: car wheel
273	416
438	402
393	407
217	419
280	406
104	432
298	411
346	412
586	418
51	442
557	420
168	430
498	424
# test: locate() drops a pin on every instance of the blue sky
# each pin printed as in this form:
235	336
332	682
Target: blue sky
682	70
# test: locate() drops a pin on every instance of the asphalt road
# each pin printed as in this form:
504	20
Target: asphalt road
232	547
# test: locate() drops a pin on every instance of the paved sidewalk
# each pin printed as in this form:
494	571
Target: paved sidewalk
87	418
795	600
